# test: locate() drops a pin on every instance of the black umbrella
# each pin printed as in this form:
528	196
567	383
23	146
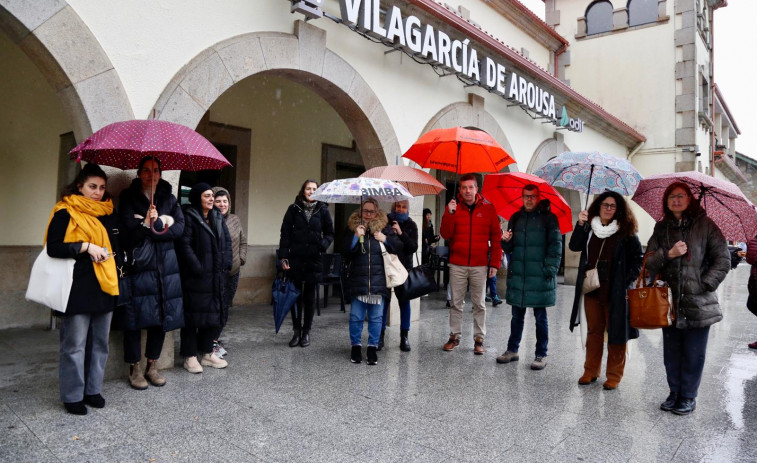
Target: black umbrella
285	294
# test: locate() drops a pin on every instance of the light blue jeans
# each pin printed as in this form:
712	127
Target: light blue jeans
83	353
359	312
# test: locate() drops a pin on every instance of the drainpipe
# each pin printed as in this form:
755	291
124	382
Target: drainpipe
559	52
635	150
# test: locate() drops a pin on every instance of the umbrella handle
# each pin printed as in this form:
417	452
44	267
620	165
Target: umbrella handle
157	232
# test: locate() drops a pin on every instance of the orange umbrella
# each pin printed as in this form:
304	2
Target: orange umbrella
416	181
460	150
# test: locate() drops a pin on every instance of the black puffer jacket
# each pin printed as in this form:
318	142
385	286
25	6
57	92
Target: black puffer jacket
366	270
409	238
205	258
303	242
695	276
157	285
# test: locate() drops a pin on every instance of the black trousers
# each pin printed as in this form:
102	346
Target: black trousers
133	344
196	341
306	299
684	352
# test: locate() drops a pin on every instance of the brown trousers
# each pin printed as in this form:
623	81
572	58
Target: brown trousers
597	317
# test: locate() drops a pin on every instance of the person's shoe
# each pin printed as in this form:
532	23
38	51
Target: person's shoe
507	357
586	379
136	378
210	360
404	342
153	375
356	356
305	339
610	385
449	303
539	363
496	301
381	340
478	345
192	365
670	402
95	400
75	408
218	349
487	299
753	345
295	339
684	406
372	357
451	343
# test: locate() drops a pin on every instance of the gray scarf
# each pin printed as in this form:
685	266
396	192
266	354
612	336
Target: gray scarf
308	209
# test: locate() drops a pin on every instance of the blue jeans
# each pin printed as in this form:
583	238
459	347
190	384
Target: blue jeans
516	330
683	353
359	311
83	353
491	286
404	313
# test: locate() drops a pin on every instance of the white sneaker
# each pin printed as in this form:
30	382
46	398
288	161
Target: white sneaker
192	365
210	360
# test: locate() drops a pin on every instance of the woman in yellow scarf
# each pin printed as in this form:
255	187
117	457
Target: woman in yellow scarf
83	227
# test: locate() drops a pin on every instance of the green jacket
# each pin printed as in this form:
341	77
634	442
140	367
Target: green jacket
536	248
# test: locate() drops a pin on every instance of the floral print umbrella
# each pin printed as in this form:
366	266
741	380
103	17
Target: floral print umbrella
723	201
590	173
356	190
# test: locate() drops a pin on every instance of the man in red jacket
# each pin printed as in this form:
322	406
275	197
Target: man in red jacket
475	255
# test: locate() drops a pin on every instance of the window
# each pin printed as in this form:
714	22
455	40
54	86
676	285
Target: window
599	18
642	12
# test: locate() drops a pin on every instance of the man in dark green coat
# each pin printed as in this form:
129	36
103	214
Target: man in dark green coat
534	241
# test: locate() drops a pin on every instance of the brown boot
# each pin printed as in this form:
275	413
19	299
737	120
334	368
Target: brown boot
153	374
136	378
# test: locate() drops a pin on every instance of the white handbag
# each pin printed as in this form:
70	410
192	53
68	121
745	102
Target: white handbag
50	281
591	278
395	272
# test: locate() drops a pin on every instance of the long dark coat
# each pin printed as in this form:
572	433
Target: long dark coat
536	248
157	285
205	258
409	238
86	295
626	264
303	241
695	276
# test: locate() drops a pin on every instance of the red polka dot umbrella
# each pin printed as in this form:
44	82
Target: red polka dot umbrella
123	144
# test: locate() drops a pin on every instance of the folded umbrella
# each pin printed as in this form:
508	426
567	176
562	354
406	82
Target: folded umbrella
284	295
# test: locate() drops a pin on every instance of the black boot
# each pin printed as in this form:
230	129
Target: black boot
404	343
356	356
381	339
305	338
295	339
371	354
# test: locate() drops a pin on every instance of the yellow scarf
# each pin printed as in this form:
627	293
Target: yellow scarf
84	227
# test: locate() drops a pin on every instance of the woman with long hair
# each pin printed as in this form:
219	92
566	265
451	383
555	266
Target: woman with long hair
156	284
83	227
689	252
306	232
605	235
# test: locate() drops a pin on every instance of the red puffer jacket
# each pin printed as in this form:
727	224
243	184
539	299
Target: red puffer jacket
475	234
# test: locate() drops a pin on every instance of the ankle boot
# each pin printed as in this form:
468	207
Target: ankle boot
371	354
305	338
295	339
381	339
404	343
136	378
153	375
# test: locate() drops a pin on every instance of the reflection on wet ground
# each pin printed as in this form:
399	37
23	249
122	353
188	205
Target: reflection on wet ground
275	403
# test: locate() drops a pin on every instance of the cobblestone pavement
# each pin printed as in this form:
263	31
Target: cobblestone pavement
275	403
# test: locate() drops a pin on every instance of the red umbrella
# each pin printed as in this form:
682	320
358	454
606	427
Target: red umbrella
124	144
505	192
416	181
460	150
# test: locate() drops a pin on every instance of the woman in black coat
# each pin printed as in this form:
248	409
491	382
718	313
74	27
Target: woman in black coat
429	237
306	233
86	321
605	235
205	258
156	283
407	231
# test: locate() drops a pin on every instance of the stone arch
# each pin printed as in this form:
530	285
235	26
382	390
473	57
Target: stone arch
61	45
547	150
303	58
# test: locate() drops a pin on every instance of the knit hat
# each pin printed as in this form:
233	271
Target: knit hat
196	192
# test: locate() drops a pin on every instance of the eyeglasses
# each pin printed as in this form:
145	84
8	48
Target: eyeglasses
609	207
679	196
529	197
369	211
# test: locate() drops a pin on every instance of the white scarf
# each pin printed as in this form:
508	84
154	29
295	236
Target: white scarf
603	231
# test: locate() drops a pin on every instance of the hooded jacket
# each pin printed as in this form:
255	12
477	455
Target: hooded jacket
366	269
156	287
475	234
536	248
695	276
304	241
238	237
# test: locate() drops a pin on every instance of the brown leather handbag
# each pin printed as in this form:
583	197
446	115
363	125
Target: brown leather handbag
650	306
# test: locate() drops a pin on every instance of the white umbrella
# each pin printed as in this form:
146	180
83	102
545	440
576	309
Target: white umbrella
357	190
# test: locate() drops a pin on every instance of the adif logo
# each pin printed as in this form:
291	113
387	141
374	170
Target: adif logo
574	125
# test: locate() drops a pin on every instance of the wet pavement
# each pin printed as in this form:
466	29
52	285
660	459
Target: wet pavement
275	403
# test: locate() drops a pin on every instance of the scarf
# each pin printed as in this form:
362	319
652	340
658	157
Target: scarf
308	209
603	231
84	226
401	218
